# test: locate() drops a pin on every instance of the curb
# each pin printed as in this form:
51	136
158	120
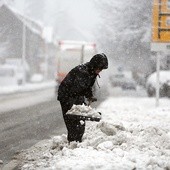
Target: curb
12	165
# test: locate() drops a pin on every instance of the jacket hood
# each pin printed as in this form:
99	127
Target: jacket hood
99	61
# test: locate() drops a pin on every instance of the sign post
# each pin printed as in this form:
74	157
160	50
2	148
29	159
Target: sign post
157	78
160	34
24	52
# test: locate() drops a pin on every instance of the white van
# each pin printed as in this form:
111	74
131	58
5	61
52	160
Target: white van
71	54
9	75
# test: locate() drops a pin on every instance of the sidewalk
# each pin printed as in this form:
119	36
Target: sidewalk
12	98
26	88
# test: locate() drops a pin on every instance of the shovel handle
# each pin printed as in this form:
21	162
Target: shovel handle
89	103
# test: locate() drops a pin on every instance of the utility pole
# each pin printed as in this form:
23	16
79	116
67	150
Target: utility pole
46	60
82	54
23	51
47	38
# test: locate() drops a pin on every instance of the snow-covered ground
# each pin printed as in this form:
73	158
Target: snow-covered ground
133	134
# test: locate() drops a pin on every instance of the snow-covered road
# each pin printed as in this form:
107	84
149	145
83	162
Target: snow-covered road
28	114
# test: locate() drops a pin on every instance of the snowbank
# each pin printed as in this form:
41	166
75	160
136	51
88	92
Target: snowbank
133	134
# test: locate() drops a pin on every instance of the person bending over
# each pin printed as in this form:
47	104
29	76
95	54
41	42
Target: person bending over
75	87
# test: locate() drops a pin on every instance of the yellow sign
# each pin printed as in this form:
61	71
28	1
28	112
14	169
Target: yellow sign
161	21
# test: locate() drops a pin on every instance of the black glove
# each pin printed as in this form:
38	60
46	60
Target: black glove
100	113
92	99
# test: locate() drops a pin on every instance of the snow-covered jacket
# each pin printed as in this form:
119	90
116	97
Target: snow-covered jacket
78	82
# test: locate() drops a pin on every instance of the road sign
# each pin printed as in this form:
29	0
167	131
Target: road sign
160	34
161	21
161	26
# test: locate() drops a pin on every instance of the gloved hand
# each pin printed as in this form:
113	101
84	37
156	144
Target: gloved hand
92	99
100	113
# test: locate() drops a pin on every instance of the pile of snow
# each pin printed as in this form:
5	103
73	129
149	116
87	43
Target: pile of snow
83	110
133	134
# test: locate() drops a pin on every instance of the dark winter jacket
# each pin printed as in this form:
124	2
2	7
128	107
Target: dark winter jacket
80	80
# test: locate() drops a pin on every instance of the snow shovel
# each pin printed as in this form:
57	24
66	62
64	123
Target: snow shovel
85	116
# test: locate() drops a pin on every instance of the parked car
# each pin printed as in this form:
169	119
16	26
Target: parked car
164	84
129	84
10	76
36	78
117	80
120	80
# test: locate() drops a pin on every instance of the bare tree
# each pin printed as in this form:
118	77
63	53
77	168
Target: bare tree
126	30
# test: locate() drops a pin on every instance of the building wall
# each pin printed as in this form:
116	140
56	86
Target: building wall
10	33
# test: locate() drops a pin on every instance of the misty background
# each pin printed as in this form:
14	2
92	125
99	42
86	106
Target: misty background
73	20
41	40
122	29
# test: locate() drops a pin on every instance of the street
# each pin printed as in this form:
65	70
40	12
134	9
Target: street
26	118
24	123
23	127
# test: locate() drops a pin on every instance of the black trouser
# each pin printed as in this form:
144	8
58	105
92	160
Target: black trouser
74	127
